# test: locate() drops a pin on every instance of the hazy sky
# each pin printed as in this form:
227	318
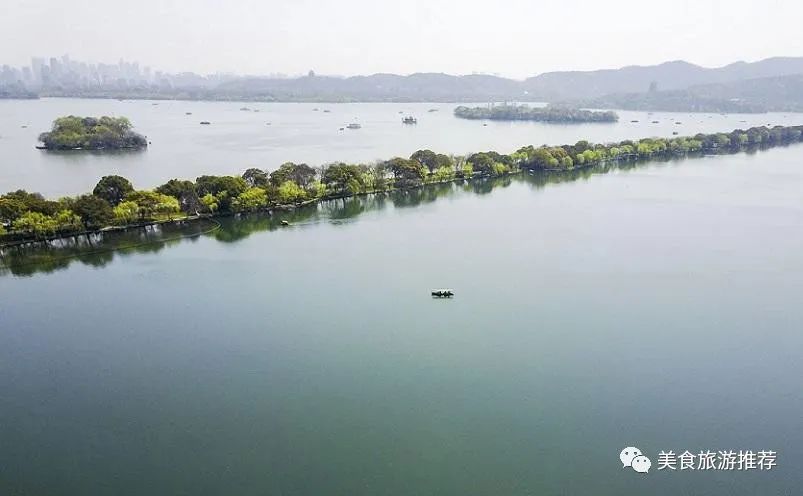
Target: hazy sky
515	38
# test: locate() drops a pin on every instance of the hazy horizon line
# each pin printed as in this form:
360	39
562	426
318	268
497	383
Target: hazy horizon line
281	75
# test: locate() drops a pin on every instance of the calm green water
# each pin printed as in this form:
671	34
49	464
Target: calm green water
657	307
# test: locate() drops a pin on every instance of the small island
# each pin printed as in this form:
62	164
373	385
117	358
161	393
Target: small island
92	133
551	113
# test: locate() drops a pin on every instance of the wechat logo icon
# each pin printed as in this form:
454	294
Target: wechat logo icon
633	458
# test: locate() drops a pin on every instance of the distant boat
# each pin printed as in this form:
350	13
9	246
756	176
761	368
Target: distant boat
354	125
401	111
23	126
484	124
410	120
315	109
245	109
432	110
285	223
342	128
187	113
655	122
678	123
634	120
442	293
674	132
267	123
205	123
326	111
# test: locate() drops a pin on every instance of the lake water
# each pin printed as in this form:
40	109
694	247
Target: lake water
656	306
236	140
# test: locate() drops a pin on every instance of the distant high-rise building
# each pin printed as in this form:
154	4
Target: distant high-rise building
55	68
36	67
46	79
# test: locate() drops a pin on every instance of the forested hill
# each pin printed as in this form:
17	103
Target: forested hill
780	94
549	87
675	75
378	87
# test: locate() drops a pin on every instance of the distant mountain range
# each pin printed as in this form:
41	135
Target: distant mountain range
676	75
776	93
378	87
770	84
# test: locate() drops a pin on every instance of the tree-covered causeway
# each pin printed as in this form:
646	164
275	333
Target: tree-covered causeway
115	202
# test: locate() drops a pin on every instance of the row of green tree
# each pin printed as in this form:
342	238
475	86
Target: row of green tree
114	201
550	113
583	153
91	133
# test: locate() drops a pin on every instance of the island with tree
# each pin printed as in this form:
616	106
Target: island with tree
92	133
114	203
550	113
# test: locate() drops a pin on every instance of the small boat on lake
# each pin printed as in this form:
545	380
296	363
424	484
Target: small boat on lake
285	223
442	293
354	125
409	120
205	123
